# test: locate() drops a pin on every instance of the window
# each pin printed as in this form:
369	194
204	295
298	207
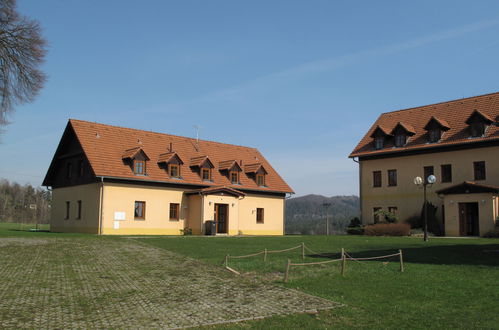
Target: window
206	174
379	142
259	215
393	210
446	172
400	140
477	129
479	169
260	179
139	210
78	210
81	169
139	167
67	210
435	135
377	179
428	170
69	170
174	171
392	178
174	211
234	177
376	214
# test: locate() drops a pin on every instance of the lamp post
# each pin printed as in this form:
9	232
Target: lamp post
326	207
418	181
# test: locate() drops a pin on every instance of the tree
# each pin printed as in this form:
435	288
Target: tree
22	51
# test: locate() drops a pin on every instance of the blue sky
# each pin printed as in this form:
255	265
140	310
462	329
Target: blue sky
300	80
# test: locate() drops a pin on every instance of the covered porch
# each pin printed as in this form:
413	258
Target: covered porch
470	209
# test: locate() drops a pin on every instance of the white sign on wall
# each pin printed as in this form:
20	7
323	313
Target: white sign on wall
116	225
119	216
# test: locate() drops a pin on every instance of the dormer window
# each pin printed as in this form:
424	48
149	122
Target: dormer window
478	122
400	140
174	170
379	142
435	128
257	172
136	158
379	135
204	165
260	180
234	177
139	167
171	162
402	132
206	174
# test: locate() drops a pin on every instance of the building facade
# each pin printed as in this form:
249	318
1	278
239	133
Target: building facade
457	142
113	180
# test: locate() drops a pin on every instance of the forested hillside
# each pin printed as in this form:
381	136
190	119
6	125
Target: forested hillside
307	214
23	203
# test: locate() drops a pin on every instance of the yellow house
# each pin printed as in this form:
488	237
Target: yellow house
112	180
457	142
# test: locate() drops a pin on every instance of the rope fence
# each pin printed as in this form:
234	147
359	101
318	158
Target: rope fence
344	257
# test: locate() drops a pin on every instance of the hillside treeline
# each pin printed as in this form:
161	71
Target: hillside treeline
23	203
306	215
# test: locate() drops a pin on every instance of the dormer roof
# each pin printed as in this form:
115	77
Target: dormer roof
480	115
254	168
452	116
201	161
133	152
229	165
168	157
408	129
439	122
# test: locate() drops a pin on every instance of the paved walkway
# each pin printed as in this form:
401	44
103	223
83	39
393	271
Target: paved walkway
100	282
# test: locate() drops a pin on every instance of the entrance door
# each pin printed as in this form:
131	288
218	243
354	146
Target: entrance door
468	219
221	218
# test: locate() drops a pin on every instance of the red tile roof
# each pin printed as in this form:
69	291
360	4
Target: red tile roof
451	114
105	145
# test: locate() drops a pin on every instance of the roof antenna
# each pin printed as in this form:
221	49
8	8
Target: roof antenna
197	128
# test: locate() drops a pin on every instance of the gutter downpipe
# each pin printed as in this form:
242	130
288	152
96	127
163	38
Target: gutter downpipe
360	187
284	212
101	204
202	212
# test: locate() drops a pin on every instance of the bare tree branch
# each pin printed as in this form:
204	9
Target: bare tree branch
22	51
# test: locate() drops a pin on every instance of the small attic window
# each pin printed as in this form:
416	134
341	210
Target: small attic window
402	132
174	170
139	167
379	142
478	123
435	129
260	180
206	174
234	177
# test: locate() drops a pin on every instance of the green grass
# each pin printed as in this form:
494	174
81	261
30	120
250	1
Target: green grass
447	283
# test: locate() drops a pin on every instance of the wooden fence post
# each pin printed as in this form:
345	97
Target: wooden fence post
302	251
226	261
265	255
286	274
401	261
343	263
342	252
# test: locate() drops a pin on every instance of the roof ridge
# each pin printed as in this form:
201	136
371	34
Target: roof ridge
159	133
443	102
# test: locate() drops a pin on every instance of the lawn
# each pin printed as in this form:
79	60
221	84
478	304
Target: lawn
447	283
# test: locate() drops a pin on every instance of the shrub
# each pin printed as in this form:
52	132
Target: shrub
186	231
385	216
494	233
355	222
355	230
388	229
415	221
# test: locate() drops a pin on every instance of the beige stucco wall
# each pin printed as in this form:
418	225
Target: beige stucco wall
406	196
120	197
486	212
89	195
273	215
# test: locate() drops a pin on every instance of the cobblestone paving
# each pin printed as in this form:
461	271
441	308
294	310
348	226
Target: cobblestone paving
111	283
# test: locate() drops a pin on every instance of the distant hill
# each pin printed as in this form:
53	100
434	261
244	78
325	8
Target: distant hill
306	214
